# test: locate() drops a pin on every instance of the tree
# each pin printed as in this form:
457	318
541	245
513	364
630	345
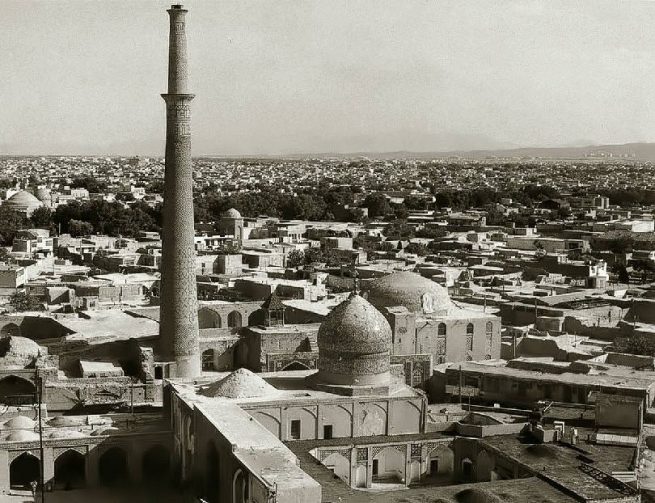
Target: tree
22	301
90	183
313	255
377	205
417	248
42	218
296	258
10	223
79	228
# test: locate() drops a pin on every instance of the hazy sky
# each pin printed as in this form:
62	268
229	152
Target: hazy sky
277	76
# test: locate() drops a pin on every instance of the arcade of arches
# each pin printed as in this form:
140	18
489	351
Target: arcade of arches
77	467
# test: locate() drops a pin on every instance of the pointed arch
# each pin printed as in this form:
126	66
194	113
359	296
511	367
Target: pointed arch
112	467
155	464
70	470
296	365
234	319
24	470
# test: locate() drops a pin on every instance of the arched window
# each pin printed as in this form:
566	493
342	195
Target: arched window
469	329
441	329
16	390
489	329
234	319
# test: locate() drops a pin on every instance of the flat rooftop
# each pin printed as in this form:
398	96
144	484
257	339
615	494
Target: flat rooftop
291	387
605	375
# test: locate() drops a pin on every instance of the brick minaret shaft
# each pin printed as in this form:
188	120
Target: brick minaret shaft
178	329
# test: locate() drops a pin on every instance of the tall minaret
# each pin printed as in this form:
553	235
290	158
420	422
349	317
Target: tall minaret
178	329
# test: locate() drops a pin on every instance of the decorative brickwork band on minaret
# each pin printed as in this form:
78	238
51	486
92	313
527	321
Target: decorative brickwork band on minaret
178	327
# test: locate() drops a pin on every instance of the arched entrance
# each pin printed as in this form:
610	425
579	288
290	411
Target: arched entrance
155	464
212	474
389	466
70	471
467	470
24	470
339	465
441	463
296	366
16	390
112	467
234	319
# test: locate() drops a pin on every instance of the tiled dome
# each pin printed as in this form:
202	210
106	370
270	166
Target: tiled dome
23	201
353	345
43	195
232	213
355	327
410	290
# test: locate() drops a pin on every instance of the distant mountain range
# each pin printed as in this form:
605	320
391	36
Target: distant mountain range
627	151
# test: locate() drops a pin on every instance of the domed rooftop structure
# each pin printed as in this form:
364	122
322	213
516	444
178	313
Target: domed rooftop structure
241	383
66	421
18	352
231	213
43	195
23	436
410	290
23	202
66	434
19	346
354	342
477	495
20	423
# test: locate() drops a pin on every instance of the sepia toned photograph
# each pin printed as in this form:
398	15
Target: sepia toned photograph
327	251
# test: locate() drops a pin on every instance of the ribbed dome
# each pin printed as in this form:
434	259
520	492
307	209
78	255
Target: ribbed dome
410	290
23	201
355	326
232	213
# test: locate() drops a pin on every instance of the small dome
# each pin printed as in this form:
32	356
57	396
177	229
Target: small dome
23	201
104	431
232	213
66	421
475	495
20	422
43	195
15	346
410	290
355	326
66	434
23	436
241	383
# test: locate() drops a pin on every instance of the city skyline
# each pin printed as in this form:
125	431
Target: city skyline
308	77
